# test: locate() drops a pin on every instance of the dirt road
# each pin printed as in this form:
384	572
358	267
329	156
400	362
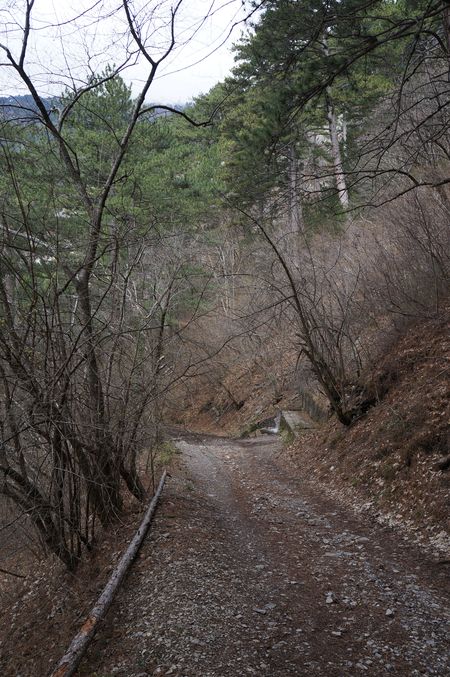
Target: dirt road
250	571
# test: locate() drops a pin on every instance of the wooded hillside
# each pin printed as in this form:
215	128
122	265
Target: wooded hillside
291	223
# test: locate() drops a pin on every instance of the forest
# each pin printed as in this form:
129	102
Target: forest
299	209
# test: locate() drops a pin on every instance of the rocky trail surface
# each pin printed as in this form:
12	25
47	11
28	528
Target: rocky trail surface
250	571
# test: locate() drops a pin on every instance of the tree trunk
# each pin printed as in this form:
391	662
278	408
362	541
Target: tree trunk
341	183
295	220
107	499
295	206
26	496
339	175
132	480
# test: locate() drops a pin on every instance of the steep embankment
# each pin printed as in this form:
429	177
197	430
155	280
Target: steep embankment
394	460
250	391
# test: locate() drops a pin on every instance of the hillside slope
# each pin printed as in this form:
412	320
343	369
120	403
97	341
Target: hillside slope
396	457
394	460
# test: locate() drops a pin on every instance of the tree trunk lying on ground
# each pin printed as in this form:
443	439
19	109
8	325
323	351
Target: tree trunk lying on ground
71	659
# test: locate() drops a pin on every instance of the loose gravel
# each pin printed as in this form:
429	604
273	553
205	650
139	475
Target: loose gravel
250	571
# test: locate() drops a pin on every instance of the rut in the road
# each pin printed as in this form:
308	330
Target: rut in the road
251	571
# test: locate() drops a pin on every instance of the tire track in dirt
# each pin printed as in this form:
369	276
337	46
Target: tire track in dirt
251	571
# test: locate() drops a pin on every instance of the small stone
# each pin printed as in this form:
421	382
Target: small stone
389	612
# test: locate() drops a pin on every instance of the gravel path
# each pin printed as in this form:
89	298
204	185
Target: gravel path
250	571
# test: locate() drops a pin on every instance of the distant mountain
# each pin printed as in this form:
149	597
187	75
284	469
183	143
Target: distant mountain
22	107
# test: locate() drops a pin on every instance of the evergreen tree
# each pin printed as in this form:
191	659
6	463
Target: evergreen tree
313	66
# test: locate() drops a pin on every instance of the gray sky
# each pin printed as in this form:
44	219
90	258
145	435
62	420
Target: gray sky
71	38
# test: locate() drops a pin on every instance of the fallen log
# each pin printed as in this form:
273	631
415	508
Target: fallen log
71	659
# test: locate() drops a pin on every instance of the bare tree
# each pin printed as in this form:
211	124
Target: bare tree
81	348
